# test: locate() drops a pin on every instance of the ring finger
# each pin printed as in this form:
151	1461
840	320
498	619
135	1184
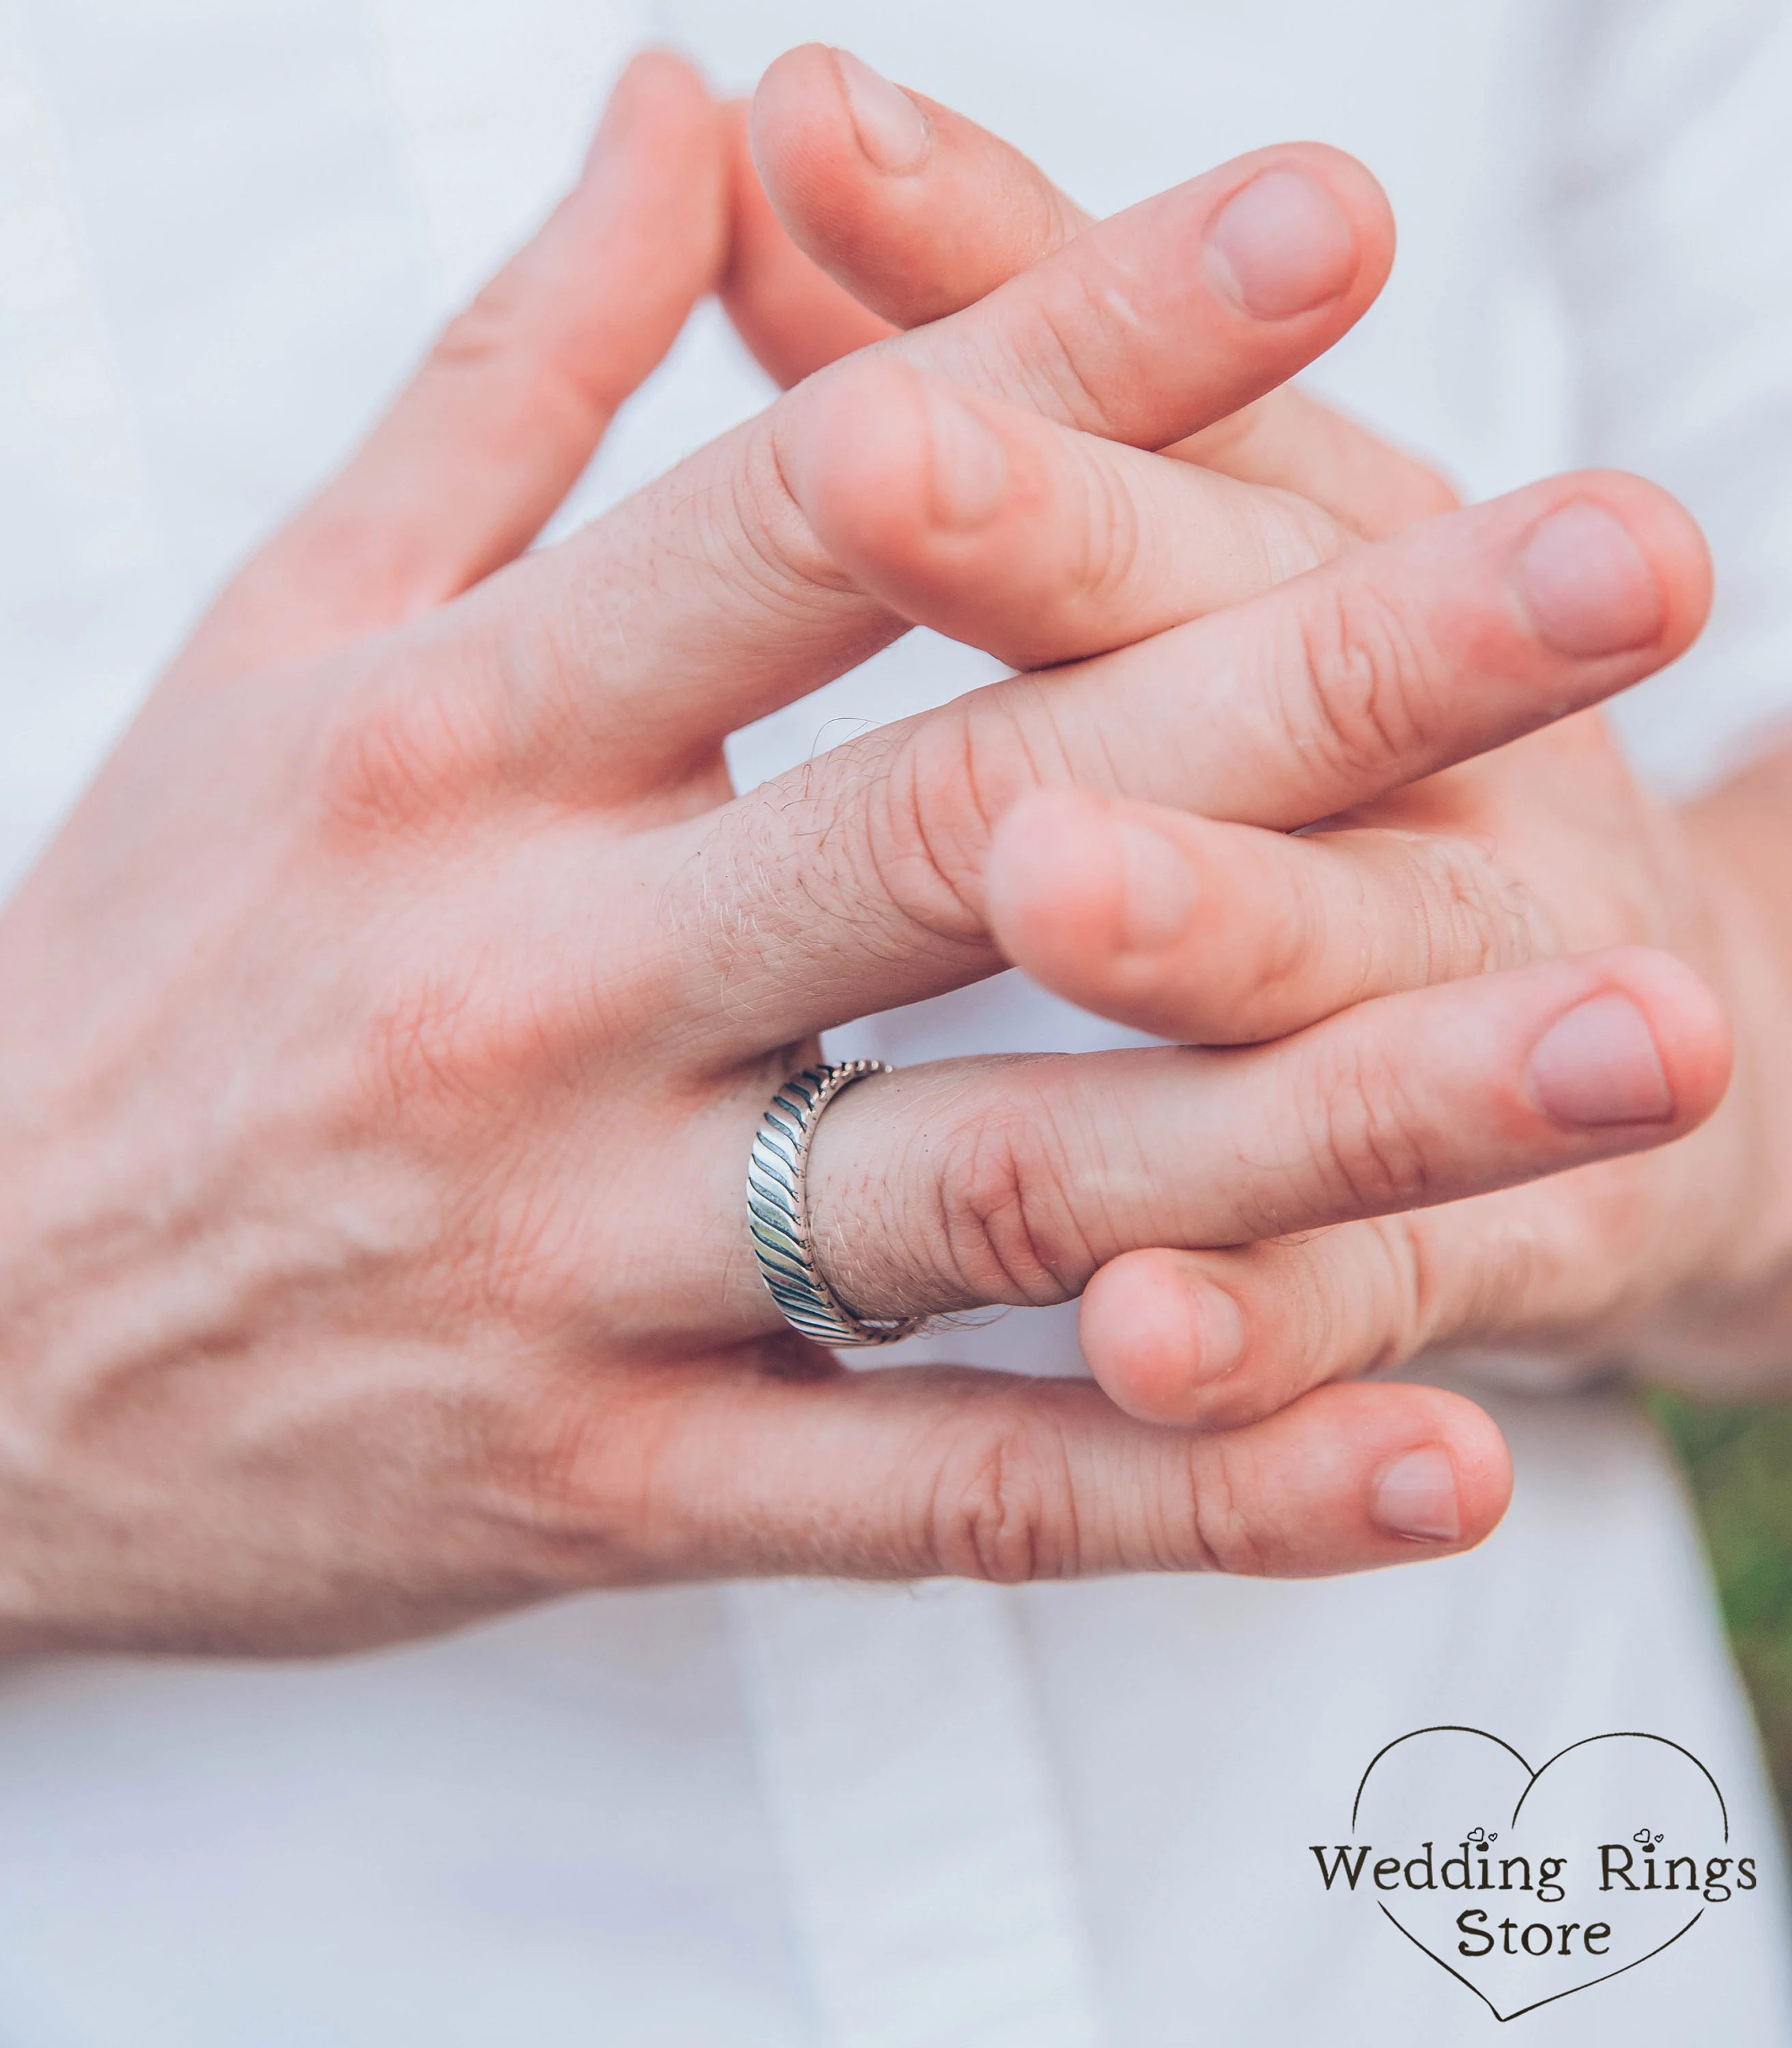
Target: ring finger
972	1182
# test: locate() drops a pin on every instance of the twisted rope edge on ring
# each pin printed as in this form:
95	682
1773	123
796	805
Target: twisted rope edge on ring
777	1212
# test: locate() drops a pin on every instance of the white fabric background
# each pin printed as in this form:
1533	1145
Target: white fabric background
782	1815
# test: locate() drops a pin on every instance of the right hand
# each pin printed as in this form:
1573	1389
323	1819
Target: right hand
386	1032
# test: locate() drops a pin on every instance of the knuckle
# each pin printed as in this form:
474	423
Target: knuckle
585	1476
1389	1303
1295	535
1002	1511
1470	919
758	535
1110	537
1006	1223
484	332
1071	301
1358	700
484	1033
1224	1536
926	823
404	761
440	1045
1366	1133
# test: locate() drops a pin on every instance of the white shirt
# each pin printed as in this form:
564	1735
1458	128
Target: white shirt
777	1815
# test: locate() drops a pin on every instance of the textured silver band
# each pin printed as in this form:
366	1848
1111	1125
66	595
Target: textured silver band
777	1212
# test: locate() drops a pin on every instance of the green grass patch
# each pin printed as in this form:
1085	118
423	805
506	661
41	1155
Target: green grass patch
1739	1460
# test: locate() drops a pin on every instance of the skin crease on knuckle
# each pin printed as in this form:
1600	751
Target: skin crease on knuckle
997	1514
1034	1495
1002	1179
968	1199
1114	558
409	761
1361	678
1364	1135
929	823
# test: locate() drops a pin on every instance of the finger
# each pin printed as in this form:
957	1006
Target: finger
862	879
967	1183
1215	1338
1290	441
495	429
789	312
1218	934
909	1474
706	602
918	228
916	211
1028	539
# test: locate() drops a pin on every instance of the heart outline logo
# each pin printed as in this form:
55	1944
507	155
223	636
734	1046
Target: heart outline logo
1533	1776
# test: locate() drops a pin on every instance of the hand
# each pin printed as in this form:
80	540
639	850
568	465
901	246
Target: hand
1188	926
386	1030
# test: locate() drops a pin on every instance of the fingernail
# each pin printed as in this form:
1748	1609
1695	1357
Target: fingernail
970	471
1598	1066
1586	584
1281	247
1415	1497
1218	1336
1158	885
892	130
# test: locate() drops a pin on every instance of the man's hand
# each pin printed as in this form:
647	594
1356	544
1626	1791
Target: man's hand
387	1030
1186	923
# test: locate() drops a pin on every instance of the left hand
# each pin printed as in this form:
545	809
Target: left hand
1202	929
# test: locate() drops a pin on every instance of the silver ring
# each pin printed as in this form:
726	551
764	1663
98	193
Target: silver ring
777	1212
